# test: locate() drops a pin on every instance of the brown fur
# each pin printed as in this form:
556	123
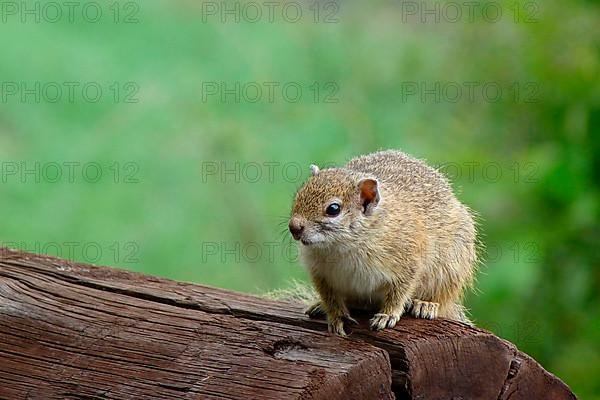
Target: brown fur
411	247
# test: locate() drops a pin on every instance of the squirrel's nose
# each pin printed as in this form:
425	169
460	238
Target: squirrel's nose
296	229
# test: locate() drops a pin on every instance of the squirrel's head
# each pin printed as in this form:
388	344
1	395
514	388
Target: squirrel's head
330	204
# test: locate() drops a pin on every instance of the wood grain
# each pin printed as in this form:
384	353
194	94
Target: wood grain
70	330
61	339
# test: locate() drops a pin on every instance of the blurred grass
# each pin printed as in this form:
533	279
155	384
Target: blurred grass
539	287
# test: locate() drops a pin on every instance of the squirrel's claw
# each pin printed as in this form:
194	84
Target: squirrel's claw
381	321
336	327
424	309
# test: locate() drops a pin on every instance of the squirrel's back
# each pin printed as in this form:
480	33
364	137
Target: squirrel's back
401	172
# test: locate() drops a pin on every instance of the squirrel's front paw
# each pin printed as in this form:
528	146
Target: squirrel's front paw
336	326
381	321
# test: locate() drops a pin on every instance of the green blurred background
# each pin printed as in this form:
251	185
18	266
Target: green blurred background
161	141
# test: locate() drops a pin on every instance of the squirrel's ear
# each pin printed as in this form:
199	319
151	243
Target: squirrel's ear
369	194
314	170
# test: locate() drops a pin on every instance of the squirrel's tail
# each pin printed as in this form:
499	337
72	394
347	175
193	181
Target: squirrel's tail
299	292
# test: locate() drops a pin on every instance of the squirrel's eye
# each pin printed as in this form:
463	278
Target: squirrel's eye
333	209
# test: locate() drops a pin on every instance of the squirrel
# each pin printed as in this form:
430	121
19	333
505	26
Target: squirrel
384	233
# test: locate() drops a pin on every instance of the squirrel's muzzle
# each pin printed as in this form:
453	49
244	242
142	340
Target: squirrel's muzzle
296	228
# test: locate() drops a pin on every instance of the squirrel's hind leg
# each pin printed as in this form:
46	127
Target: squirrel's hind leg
424	309
456	312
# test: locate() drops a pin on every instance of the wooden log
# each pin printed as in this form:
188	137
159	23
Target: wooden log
70	330
62	338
